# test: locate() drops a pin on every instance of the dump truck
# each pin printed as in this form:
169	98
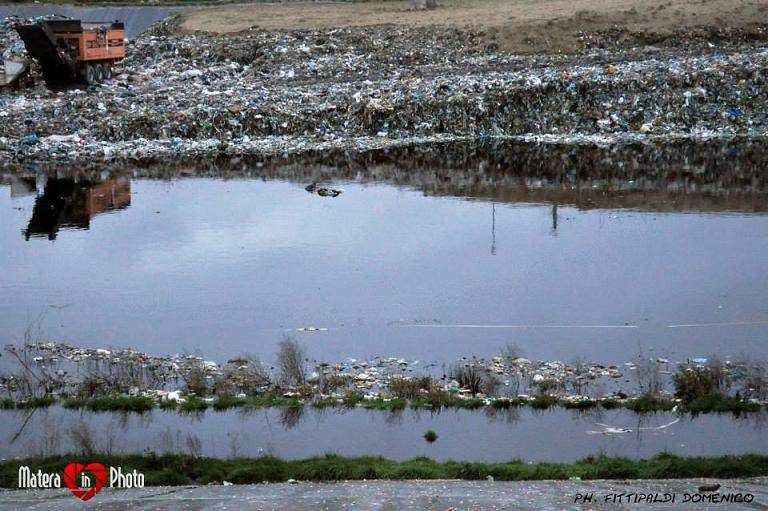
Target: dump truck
70	50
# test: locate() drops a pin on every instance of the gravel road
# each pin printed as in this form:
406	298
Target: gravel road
399	495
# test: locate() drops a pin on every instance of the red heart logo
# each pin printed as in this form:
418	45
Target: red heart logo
71	472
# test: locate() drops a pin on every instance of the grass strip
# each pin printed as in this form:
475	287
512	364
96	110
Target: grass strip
174	469
139	404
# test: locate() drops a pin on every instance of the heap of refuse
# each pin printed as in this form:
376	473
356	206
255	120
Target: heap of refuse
62	370
265	93
11	45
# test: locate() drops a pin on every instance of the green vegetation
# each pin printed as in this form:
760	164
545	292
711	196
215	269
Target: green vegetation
648	403
430	436
543	402
610	403
693	383
27	404
168	405
138	404
193	404
433	401
701	390
579	404
721	404
226	402
183	469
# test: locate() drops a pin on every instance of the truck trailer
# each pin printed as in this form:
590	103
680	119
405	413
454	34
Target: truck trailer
70	50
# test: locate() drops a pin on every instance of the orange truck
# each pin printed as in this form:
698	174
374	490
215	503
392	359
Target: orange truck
70	50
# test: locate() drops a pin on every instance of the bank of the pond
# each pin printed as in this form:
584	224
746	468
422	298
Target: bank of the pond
714	403
184	470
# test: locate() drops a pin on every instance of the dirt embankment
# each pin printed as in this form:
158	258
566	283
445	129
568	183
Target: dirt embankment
514	25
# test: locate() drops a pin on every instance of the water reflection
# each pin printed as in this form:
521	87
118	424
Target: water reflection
233	255
67	203
498	435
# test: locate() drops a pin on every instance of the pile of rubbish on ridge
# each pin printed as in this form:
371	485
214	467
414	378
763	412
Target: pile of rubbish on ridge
263	93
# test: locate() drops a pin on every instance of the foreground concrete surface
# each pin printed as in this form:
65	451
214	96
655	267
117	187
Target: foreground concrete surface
391	496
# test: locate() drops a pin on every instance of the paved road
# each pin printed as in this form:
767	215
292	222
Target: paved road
388	496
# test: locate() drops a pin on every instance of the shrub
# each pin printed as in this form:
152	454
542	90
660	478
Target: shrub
194	378
430	436
334	382
409	388
694	382
291	362
721	404
474	378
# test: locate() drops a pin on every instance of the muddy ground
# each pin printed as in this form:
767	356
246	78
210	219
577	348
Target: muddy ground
526	26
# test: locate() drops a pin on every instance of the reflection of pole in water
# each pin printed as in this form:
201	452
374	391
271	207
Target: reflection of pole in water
554	218
493	228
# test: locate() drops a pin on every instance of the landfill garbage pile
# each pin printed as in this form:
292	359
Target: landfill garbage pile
62	370
265	93
11	45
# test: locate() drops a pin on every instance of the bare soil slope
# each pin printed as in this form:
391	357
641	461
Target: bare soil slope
515	25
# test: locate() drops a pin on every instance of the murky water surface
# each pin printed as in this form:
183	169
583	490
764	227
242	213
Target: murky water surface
463	435
223	267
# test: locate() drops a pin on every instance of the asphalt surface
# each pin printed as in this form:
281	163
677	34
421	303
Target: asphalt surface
397	495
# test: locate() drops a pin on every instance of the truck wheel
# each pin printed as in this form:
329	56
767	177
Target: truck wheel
107	67
99	72
90	74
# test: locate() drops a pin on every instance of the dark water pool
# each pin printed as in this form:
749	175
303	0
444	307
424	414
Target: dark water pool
228	266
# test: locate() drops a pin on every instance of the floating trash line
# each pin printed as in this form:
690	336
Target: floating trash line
681	325
519	326
725	323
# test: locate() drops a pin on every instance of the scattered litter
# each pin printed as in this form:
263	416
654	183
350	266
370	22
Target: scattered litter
609	430
500	378
323	191
664	426
270	92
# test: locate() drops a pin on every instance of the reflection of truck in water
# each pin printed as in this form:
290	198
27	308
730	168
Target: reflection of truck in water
70	50
67	203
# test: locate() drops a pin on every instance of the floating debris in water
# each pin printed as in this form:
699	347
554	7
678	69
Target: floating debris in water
323	191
